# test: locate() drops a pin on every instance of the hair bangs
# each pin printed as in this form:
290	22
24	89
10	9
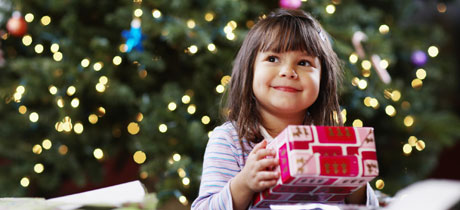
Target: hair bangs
290	34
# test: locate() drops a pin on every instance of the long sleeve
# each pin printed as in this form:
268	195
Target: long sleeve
222	162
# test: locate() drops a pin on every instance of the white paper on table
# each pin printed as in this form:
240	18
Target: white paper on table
130	192
430	194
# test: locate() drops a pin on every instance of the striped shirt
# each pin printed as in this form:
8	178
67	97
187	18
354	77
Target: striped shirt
223	160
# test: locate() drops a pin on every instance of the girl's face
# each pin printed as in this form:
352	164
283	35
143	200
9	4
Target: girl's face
286	84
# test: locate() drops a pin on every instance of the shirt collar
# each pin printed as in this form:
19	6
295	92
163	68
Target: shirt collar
265	134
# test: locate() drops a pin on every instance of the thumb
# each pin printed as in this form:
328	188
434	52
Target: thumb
260	145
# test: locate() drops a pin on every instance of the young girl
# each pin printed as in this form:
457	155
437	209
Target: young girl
285	73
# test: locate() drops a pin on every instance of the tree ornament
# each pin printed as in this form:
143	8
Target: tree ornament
290	4
134	36
356	40
419	58
16	25
382	72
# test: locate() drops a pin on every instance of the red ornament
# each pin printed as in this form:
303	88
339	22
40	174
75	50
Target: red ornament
290	4
16	25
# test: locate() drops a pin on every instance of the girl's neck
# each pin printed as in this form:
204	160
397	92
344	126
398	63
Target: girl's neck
274	124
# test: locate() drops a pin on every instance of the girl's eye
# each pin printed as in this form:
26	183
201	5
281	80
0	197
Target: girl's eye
272	59
304	63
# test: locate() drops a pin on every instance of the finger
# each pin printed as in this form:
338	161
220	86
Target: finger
262	153
263	164
260	145
268	175
266	184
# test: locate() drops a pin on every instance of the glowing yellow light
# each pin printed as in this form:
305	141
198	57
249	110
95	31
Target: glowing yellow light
103	80
420	145
230	36
225	80
37	149
228	29
98	153
172	106
384	29
367	101
353	58
75	102
220	88
212	47
209	134
53	90
27	40
408	121
384	64
183	200
374	103
209	16
100	87
330	9
205	119
133	128
357	123
20	89
163	128
78	128
362	84
176	157
139	157
85	62
355	81
193	49
366	64
57	56
25	182
181	172
71	90
39	168
117	60
366	72
191	24
143	175
433	51
442	8
45	20
33	117
93	118
185	181
29	17
138	12
344	115
412	140
407	149
22	109
395	95
38	48
232	24
156	13
98	66
123	48
191	109
417	83
139	117
379	184
60	102
54	47
420	73
17	97
186	99
390	110
47	144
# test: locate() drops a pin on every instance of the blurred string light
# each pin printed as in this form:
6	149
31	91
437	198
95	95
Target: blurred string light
63	149
209	134
366	64
191	109
27	40
181	172
37	149
53	90
191	24
29	17
60	102
357	123
353	58
156	13
442	8
47	144
139	157
98	66
92	118
176	157
54	48
33	117
116	60
379	184
407	149
417	83
330	9
212	47
384	29
225	80
22	109
205	119
412	140
220	88
163	128
25	182
209	16
78	128
139	117
421	74
228	30
85	62
133	128
38	48
144	175
390	110
45	20
71	90
183	200
408	121
186	99
57	56
433	51
138	12
39	168
172	106
98	153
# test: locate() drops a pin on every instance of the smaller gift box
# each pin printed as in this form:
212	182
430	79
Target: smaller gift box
320	164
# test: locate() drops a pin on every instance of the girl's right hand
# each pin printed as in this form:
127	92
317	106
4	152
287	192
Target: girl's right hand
260	172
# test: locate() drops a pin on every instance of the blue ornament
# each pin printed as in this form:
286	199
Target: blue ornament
419	58
134	36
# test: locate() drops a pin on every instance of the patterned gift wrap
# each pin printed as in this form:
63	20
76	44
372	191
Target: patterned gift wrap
320	164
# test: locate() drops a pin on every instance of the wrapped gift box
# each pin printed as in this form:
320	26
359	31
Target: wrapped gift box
320	164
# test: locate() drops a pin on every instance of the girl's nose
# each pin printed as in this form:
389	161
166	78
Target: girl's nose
289	73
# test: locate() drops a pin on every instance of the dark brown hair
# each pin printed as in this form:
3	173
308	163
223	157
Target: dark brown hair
282	31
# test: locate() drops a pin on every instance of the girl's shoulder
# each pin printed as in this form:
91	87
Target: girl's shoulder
227	129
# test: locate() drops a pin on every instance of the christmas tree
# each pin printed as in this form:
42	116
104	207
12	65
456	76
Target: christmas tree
98	92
